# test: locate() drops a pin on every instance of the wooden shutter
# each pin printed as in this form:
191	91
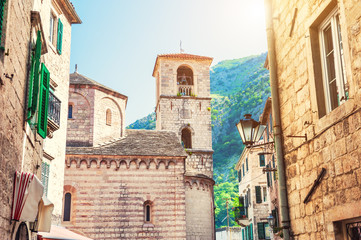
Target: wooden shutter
251	231
274	166
43	101
34	78
243	234
59	44
2	6
268	180
247	164
45	170
275	216
261	231
258	194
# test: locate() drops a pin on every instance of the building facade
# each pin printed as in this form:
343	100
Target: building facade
253	194
317	66
25	60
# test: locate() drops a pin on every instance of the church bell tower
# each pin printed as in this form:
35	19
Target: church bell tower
183	105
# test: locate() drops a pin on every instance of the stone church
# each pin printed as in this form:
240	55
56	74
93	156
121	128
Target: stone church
142	184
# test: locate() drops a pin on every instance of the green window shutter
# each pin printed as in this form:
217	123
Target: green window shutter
247	164
274	166
260	230
262	161
251	231
2	11
243	234
34	78
59	44
43	101
258	194
268	180
246	233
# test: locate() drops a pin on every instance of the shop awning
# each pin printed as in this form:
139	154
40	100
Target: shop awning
27	194
58	232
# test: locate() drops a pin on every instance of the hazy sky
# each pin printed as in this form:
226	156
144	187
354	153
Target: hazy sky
119	40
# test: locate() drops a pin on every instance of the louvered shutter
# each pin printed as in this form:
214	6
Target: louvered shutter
243	234
268	177
275	216
260	230
241	201
59	44
34	78
2	10
274	166
258	194
251	231
262	161
45	171
43	102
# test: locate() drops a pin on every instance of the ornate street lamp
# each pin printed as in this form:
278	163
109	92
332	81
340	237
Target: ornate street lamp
250	130
271	221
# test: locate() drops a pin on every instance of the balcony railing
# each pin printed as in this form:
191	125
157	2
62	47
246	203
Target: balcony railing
241	215
185	90
53	114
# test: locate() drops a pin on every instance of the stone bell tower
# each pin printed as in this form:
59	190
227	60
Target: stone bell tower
183	105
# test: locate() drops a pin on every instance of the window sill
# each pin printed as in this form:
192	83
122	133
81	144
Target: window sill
334	116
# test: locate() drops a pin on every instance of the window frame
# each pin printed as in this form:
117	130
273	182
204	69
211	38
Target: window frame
108	117
53	28
65	205
338	61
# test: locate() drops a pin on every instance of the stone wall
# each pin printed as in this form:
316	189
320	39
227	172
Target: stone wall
102	131
80	126
109	195
199	208
333	139
176	113
18	148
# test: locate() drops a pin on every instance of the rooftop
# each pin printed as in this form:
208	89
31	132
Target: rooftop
79	79
137	143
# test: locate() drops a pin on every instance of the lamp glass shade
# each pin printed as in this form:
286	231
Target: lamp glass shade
245	128
271	220
258	132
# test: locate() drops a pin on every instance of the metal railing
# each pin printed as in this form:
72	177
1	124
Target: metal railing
185	90
54	108
240	213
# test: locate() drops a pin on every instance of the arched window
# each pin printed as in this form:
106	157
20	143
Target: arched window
186	138
185	81
147	212
70	111
67	207
109	117
22	232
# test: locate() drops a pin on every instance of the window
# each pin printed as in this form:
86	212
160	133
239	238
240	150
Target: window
263	230
148	212
22	233
52	28
262	162
185	81
264	194
247	164
70	111
186	138
333	63
45	170
243	169
261	194
239	176
67	207
108	117
2	13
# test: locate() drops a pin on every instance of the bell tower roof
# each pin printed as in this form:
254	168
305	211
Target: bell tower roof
180	56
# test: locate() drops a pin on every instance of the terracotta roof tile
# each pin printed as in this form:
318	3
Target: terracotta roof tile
180	56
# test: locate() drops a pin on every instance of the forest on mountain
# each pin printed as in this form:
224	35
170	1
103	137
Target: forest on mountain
238	86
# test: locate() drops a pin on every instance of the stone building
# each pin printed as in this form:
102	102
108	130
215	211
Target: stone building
253	194
26	59
142	184
316	61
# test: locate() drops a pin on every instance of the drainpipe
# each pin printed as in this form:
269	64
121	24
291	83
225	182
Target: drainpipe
277	131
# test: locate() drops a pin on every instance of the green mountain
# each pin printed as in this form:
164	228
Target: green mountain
238	87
